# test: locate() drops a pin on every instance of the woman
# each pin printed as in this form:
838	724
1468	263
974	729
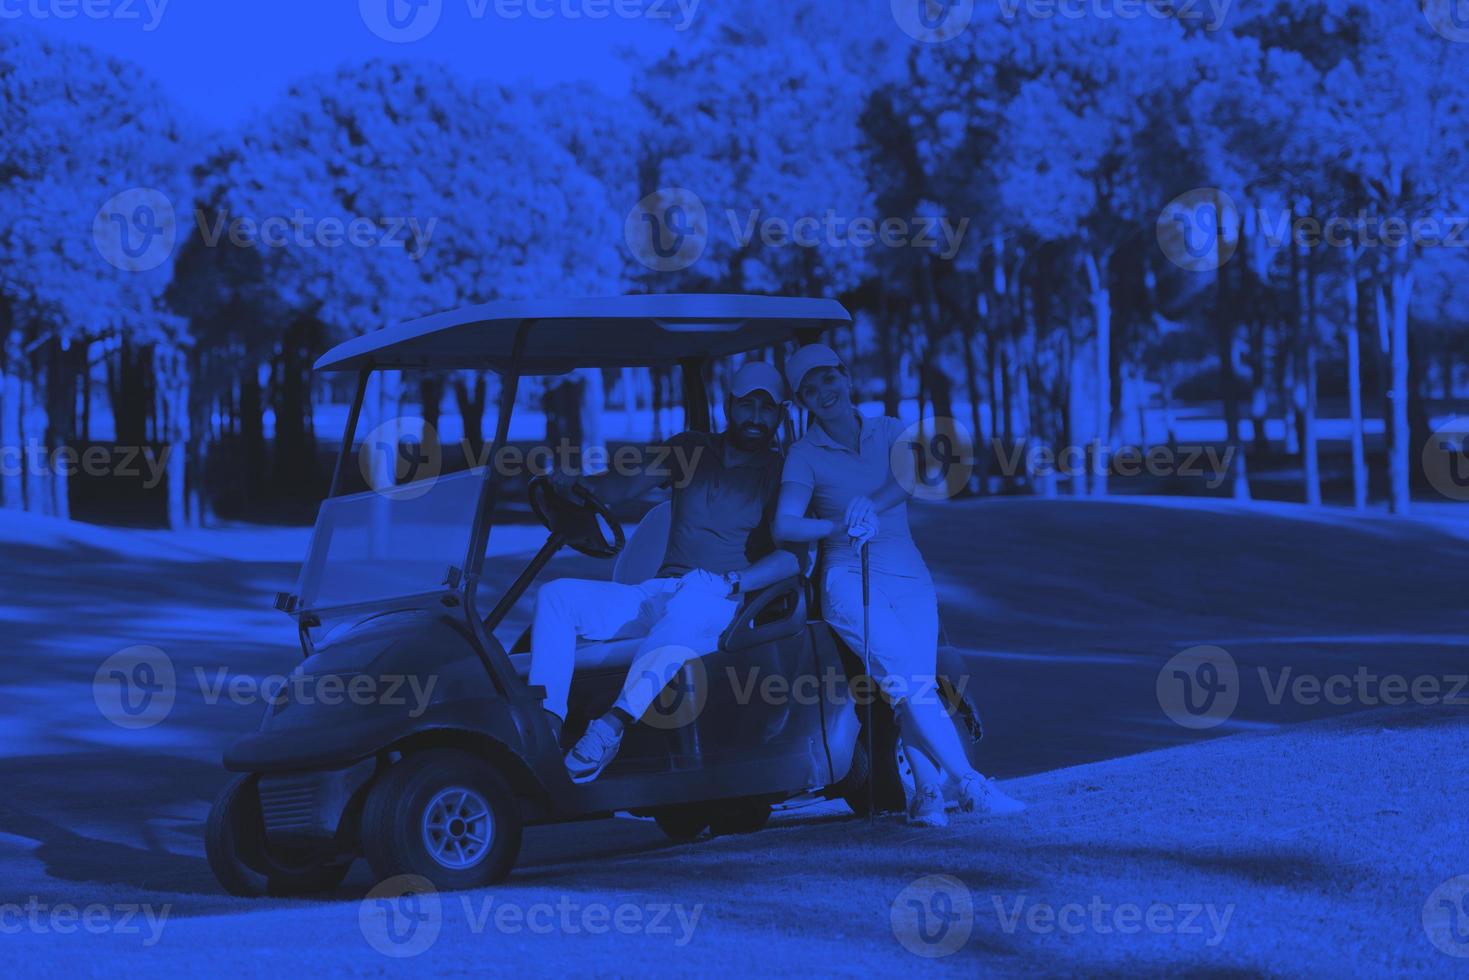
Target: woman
844	468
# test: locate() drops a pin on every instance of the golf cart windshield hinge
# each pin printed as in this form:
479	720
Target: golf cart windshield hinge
286	602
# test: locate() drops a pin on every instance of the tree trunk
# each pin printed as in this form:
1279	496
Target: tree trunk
629	402
1419	427
1351	331
61	375
1400	290
12	444
469	395
34	424
171	369
1101	305
1309	450
1259	385
200	411
1228	385
130	393
295	453
430	401
1253	263
593	410
656	376
979	442
252	431
891	357
1290	393
1081	405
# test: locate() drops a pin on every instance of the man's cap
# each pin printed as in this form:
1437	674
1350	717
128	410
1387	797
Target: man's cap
758	375
809	358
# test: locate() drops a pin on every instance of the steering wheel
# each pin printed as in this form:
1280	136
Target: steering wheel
587	525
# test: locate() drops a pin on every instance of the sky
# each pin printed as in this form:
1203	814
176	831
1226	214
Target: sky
221	58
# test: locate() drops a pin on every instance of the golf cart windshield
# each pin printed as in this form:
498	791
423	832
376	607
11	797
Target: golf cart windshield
389	544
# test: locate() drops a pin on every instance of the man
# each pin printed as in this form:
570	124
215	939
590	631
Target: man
719	547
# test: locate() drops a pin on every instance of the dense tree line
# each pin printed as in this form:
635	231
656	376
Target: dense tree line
1134	212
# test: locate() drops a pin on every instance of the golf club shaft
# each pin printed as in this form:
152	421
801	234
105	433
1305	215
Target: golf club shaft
867	668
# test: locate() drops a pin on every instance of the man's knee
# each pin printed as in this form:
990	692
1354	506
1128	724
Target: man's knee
554	598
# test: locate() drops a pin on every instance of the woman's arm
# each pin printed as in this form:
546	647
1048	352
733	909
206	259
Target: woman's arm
791	522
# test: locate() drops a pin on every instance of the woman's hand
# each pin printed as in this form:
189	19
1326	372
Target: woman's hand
862	522
862	511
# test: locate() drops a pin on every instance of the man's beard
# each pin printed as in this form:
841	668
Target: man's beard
752	438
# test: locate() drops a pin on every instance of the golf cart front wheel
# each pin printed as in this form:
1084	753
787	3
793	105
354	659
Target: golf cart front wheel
244	863
444	814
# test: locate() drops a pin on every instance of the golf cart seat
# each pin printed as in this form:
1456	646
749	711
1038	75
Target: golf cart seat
642	556
639	561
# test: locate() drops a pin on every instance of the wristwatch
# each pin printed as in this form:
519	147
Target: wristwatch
732	579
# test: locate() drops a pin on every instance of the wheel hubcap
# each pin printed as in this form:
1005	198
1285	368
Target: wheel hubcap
458	828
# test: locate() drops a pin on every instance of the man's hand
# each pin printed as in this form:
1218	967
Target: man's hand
565	484
705	581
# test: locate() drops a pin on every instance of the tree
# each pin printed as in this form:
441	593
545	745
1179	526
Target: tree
92	182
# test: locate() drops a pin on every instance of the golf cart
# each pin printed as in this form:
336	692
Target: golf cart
410	735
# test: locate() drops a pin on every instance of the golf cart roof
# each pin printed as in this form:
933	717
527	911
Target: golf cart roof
614	331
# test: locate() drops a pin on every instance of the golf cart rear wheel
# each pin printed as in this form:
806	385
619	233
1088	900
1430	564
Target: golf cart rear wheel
245	864
444	814
683	823
887	782
853	787
739	817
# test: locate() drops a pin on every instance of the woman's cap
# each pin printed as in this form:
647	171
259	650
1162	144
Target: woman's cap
806	359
